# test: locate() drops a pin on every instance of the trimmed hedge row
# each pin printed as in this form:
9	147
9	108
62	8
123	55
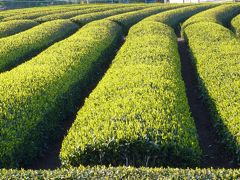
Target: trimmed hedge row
30	42
104	149
127	20
37	95
138	114
174	17
33	15
235	25
86	18
15	26
43	91
71	14
101	172
215	51
17	48
221	14
12	12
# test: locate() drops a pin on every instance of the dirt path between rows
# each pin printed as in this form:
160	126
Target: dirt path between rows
214	154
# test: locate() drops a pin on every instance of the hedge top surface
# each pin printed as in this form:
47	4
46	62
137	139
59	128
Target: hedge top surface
235	23
221	14
139	109
12	12
73	13
128	19
216	53
43	79
16	48
85	18
102	172
34	88
43	8
173	17
32	15
12	27
35	14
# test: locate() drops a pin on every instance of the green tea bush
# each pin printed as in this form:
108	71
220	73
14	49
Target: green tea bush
33	15
101	172
17	48
175	16
235	24
37	95
15	26
126	120
47	89
127	20
221	14
13	12
215	51
138	114
67	15
86	18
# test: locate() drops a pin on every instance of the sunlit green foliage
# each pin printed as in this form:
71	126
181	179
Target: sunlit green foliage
235	24
101	172
33	15
86	18
67	15
13	12
138	114
215	51
127	20
15	26
16	48
41	92
221	14
173	17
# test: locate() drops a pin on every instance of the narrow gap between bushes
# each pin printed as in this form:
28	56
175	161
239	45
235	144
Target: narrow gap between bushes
213	153
50	160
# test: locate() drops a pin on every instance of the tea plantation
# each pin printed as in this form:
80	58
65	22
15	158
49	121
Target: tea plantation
101	91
